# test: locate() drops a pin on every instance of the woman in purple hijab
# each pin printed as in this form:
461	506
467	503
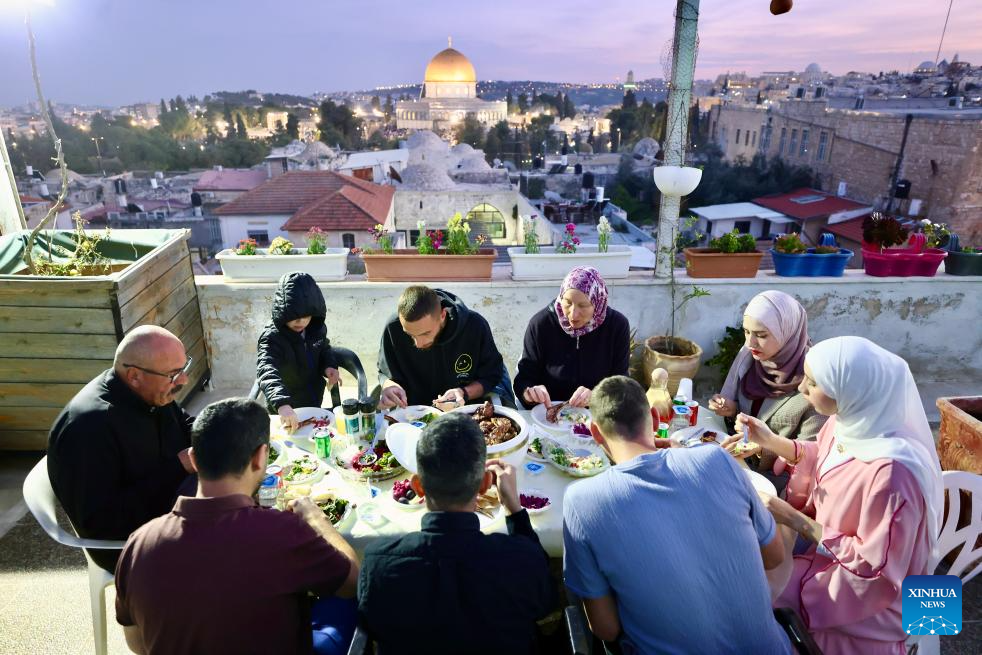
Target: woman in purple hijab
763	379
572	344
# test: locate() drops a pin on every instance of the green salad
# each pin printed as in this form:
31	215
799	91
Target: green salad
301	468
334	509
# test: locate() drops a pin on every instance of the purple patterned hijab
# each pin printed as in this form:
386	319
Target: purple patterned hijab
587	280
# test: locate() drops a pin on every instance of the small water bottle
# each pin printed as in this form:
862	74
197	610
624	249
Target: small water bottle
269	491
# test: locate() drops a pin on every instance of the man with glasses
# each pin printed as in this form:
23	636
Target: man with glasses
118	452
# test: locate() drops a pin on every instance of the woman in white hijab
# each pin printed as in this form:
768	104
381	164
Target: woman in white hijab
865	500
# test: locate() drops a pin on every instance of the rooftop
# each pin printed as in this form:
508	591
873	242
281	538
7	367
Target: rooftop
803	204
230	180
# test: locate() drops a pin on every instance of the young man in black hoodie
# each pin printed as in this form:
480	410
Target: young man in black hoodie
436	349
294	352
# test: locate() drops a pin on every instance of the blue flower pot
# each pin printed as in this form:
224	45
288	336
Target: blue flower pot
810	264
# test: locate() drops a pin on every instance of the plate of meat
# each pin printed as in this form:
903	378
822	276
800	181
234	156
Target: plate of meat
505	431
560	417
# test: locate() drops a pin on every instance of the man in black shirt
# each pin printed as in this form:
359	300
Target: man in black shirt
435	348
450	588
118	451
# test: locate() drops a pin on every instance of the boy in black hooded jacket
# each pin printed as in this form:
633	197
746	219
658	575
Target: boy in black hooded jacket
295	354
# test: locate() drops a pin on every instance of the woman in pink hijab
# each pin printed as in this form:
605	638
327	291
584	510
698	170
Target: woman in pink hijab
572	343
864	503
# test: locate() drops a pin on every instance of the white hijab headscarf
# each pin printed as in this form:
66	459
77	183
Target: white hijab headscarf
880	415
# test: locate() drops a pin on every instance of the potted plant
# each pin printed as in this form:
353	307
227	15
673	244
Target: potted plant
730	255
792	258
435	259
962	261
532	262
881	259
680	357
250	263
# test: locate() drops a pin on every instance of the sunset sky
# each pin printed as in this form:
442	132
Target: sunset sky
124	51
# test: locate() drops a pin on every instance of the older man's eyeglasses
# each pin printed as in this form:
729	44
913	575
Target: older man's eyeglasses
170	376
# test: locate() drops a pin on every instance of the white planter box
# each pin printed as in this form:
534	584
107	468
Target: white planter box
261	267
550	265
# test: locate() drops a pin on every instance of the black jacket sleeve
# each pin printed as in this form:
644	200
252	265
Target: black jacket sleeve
531	370
388	365
490	366
622	347
92	489
326	359
270	360
520	525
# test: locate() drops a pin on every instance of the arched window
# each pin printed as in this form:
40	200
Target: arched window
486	219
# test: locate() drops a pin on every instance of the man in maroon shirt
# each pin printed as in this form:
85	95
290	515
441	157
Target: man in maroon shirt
219	574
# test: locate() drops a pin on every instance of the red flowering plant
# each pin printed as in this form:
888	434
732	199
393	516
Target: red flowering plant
569	242
429	241
246	247
316	241
382	237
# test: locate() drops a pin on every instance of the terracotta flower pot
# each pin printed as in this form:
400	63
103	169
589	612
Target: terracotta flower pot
709	262
684	364
407	265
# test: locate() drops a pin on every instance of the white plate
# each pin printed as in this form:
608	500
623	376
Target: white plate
691	436
412	413
281	448
541	494
406	507
546	442
563	424
761	483
311	478
302	437
575	472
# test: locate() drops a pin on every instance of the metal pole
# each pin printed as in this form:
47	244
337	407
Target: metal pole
11	212
679	97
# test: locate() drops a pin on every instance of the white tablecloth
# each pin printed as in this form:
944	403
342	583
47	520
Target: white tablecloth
548	525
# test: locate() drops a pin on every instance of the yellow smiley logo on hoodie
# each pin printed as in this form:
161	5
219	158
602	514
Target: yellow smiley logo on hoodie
464	364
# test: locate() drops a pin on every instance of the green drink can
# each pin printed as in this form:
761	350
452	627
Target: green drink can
322	444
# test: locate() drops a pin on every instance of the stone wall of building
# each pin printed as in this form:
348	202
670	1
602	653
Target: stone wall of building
437	207
737	130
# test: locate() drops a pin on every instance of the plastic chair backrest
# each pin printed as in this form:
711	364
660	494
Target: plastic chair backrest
951	536
43	505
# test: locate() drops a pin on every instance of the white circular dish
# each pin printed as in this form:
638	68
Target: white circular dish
546	442
302	437
281	458
571	457
692	436
413	413
541	494
412	506
567	417
316	475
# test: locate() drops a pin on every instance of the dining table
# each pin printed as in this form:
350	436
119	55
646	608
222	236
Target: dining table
390	519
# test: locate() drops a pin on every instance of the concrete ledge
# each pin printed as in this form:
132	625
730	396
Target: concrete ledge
934	323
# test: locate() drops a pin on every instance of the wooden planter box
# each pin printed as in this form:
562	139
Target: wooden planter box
960	440
60	332
709	262
407	265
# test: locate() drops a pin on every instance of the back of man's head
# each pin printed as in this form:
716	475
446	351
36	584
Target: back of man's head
450	456
417	302
226	435
620	409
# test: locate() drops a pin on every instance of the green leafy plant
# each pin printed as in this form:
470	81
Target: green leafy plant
246	247
382	237
734	242
280	246
790	244
429	241
727	349
316	241
826	250
459	239
883	231
531	238
937	233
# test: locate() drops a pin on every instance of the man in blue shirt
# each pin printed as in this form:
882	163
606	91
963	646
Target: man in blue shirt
668	548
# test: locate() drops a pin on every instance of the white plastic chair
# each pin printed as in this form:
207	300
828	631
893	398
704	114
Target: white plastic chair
952	537
41	501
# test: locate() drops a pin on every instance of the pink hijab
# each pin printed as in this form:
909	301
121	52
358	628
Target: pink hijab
785	318
587	280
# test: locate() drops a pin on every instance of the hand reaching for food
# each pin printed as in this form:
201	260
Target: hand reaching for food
506	481
288	418
580	397
723	406
393	396
450	399
538	394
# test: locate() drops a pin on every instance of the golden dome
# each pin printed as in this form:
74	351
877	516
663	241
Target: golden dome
450	65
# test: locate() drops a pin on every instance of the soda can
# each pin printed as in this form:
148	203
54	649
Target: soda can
275	470
663	430
322	444
694	409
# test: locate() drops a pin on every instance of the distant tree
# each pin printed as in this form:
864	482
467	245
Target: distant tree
630	101
180	104
470	131
569	110
240	127
292	126
389	108
229	122
339	126
376	103
510	101
492	146
615	141
163	107
523	103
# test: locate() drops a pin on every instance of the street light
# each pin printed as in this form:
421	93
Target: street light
98	152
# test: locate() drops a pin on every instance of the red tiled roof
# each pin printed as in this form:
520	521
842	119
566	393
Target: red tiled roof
230	180
818	204
323	199
851	229
31	200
